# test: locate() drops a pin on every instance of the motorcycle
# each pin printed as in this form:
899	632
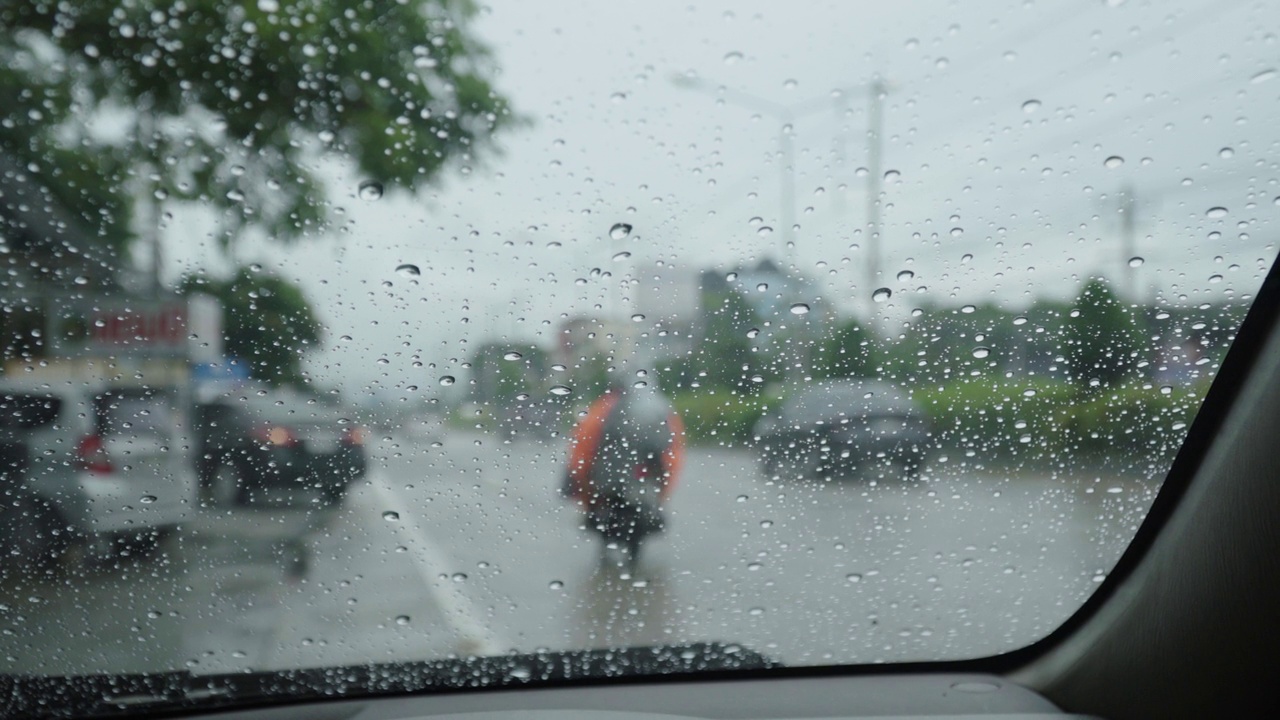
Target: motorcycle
625	519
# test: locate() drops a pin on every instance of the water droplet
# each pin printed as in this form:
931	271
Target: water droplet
402	619
731	277
892	176
799	309
762	287
448	380
621	256
520	672
560	390
513	355
1216	212
756	611
80	280
967	309
764	231
1227	153
853	577
556	585
1215	278
753	332
957	232
1263	76
620	231
458	577
1113	162
1030	106
637	318
981	352
147	499
408	270
905	275
391	516
1136	261
731	58
370	190
881	294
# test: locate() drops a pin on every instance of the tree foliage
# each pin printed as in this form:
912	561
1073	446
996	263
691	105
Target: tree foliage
267	322
1100	337
227	103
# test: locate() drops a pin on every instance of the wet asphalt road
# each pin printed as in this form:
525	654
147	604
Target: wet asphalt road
466	548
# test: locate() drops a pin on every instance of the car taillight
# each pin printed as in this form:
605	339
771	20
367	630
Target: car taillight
354	435
91	456
275	435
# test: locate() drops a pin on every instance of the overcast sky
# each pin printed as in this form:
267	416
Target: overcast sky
998	123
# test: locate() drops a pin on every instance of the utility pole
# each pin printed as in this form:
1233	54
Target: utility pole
1128	244
875	121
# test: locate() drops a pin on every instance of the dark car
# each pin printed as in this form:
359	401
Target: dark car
274	445
841	426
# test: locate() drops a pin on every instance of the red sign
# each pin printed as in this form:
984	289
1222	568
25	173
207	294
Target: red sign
163	326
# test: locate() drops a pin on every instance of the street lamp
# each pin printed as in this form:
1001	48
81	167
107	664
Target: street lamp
786	114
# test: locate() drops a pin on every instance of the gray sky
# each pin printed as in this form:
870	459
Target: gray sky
998	124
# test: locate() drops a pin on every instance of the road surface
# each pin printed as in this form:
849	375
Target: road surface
463	547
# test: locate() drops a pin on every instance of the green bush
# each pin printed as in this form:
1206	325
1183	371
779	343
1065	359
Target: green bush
719	417
1049	420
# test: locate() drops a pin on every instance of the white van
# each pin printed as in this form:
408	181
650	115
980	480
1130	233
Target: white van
91	461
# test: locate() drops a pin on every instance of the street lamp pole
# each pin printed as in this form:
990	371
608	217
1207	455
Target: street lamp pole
875	120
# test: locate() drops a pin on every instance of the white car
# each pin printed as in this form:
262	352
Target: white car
92	462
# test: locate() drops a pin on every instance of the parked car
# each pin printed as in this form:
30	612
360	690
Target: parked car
839	426
264	447
91	463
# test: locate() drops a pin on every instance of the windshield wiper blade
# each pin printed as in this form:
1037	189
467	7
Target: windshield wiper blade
109	695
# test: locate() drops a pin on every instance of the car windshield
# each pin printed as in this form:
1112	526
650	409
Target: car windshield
824	333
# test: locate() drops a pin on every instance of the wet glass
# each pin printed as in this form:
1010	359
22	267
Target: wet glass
911	308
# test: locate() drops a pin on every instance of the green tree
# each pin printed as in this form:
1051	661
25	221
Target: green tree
227	103
267	322
1100	337
846	351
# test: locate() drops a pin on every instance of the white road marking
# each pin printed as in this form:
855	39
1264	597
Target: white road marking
475	637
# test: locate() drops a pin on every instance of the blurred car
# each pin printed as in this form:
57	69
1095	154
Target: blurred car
84	462
840	426
531	419
254	448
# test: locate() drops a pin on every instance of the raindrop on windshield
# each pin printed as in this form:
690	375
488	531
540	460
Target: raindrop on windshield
1216	212
1113	162
370	190
620	231
764	231
1136	261
981	352
447	380
799	309
621	256
1263	76
1030	106
881	294
905	275
637	317
408	270
892	176
513	355
732	57
753	332
391	516
560	390
555	585
402	620
1227	153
